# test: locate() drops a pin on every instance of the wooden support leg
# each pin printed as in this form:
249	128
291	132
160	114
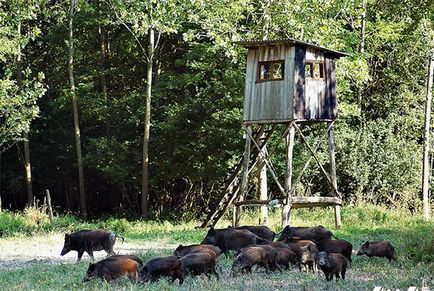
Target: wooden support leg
286	215
338	216
333	176
245	176
286	212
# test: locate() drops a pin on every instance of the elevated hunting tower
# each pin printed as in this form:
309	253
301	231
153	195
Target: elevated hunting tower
292	83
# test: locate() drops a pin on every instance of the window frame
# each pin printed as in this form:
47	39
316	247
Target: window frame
271	64
312	72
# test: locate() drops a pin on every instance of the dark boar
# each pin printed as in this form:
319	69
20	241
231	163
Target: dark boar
309	257
162	267
285	256
249	257
89	241
199	262
260	230
231	239
113	268
338	246
377	249
332	264
315	234
183	250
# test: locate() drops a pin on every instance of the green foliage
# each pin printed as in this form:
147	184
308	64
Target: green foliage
196	132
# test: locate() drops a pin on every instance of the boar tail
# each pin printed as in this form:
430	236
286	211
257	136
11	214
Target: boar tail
334	236
123	239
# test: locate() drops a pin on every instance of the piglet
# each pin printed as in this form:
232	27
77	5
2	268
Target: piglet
377	249
332	264
113	268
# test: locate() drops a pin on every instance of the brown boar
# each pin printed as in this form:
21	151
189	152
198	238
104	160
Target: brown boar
231	239
161	267
279	244
249	257
285	256
338	246
315	234
89	241
260	230
113	268
131	257
377	249
199	262
309	257
183	250
332	264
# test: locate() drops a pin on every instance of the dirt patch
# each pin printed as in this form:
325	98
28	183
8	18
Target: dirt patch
22	252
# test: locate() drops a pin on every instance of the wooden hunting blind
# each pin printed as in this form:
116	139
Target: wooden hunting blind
289	83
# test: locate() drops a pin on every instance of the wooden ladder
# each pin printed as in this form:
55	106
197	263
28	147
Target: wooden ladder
231	189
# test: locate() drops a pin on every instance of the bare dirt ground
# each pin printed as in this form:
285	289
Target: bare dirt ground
21	252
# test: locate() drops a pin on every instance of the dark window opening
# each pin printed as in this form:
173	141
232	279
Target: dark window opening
268	71
314	70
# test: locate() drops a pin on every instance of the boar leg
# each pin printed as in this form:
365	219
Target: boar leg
79	255
91	255
337	276
133	277
343	273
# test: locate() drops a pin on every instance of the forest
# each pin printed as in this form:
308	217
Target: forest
95	93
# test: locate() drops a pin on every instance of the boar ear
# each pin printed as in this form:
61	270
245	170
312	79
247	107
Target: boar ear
366	243
66	236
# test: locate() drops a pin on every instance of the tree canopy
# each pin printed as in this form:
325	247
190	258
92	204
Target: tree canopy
197	98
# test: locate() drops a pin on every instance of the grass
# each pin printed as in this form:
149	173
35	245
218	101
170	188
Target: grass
412	237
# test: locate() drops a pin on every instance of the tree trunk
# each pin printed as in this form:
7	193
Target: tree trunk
262	181
28	168
83	209
425	179
147	125
102	67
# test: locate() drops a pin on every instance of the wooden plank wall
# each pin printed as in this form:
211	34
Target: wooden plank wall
271	100
301	111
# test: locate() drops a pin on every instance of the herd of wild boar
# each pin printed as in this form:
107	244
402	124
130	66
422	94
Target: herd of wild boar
309	248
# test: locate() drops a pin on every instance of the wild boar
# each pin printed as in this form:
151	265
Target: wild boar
231	239
285	256
183	250
279	244
113	268
131	257
89	241
338	246
331	263
309	257
199	262
377	249
260	230
162	267
249	257
315	234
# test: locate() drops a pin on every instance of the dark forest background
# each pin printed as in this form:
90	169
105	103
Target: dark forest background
197	98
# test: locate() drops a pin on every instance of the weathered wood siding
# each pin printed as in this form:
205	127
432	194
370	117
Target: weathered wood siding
314	99
331	103
269	101
301	111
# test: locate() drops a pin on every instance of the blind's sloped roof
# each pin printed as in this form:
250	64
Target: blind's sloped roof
328	52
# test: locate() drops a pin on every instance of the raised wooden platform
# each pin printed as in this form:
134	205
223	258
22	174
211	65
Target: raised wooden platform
298	202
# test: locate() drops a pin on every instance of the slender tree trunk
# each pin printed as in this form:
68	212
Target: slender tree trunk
362	49
262	181
103	62
28	168
83	209
426	171
147	125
